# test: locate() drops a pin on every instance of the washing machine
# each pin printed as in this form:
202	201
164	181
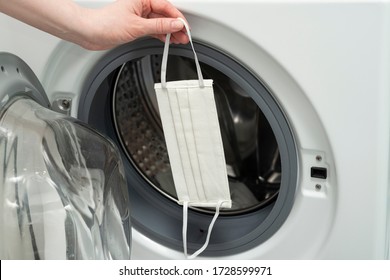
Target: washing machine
302	90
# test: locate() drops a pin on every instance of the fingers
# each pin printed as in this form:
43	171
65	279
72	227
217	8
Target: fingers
161	9
163	26
179	37
176	38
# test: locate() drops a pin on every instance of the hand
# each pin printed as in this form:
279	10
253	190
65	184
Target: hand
97	29
127	20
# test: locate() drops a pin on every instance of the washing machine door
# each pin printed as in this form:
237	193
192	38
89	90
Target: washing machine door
63	193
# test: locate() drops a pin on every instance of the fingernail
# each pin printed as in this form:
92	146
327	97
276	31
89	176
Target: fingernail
177	25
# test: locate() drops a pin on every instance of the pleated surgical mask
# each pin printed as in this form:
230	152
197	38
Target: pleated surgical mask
192	134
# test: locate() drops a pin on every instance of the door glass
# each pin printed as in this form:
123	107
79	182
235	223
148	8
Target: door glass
63	193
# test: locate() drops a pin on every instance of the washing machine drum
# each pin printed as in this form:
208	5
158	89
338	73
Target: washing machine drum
251	151
63	193
260	153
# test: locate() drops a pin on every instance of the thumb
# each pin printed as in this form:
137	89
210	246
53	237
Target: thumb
162	26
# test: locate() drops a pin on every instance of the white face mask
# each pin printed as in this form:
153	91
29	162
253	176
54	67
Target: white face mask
191	129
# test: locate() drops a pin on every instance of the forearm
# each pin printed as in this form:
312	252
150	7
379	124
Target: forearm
114	24
59	18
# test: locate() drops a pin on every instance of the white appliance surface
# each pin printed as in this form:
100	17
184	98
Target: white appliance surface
327	64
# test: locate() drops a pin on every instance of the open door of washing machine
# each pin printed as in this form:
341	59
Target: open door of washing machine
63	193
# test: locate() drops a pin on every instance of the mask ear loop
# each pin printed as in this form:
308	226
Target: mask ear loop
165	58
185	221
